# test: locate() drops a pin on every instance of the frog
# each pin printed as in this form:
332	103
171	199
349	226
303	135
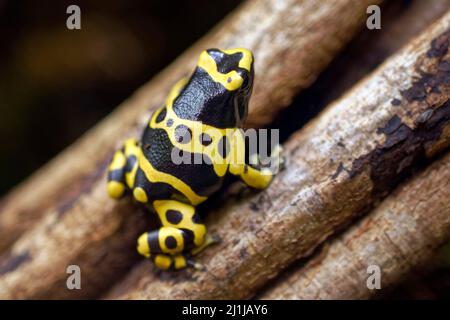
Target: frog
202	118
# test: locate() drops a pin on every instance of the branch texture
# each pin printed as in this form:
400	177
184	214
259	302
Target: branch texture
397	236
62	215
339	165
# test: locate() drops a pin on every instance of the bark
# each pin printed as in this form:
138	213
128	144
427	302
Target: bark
370	48
399	235
62	216
340	164
367	51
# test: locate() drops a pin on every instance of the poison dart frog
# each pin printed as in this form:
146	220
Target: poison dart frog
202	119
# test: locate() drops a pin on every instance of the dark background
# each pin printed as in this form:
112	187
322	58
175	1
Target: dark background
56	83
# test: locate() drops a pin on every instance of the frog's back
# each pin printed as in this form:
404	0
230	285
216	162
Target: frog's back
201	103
171	179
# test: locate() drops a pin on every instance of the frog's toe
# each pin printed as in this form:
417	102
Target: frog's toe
195	265
209	240
215	239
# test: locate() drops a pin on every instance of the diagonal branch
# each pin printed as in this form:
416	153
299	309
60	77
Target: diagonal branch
397	236
62	216
339	165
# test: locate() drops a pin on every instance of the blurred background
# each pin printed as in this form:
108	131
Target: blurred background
56	83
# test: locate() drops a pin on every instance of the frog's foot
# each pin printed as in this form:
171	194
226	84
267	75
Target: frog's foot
163	255
275	162
122	169
209	240
182	231
195	265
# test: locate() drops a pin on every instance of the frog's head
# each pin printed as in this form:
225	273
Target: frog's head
233	70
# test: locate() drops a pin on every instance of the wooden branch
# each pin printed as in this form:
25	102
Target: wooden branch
399	235
62	215
338	165
371	48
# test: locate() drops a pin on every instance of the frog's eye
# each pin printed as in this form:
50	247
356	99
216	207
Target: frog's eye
246	82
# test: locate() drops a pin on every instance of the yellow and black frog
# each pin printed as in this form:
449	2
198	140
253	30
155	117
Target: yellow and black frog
185	151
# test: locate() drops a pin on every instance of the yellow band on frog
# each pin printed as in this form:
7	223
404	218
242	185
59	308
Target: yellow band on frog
231	80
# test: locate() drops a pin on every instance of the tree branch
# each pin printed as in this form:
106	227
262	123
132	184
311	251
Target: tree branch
397	236
62	215
341	163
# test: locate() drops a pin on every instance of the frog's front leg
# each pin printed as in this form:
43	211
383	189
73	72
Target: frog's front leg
181	235
122	169
253	174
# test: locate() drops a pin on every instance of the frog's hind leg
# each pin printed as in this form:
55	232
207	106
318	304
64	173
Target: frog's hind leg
165	247
122	169
176	262
182	234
